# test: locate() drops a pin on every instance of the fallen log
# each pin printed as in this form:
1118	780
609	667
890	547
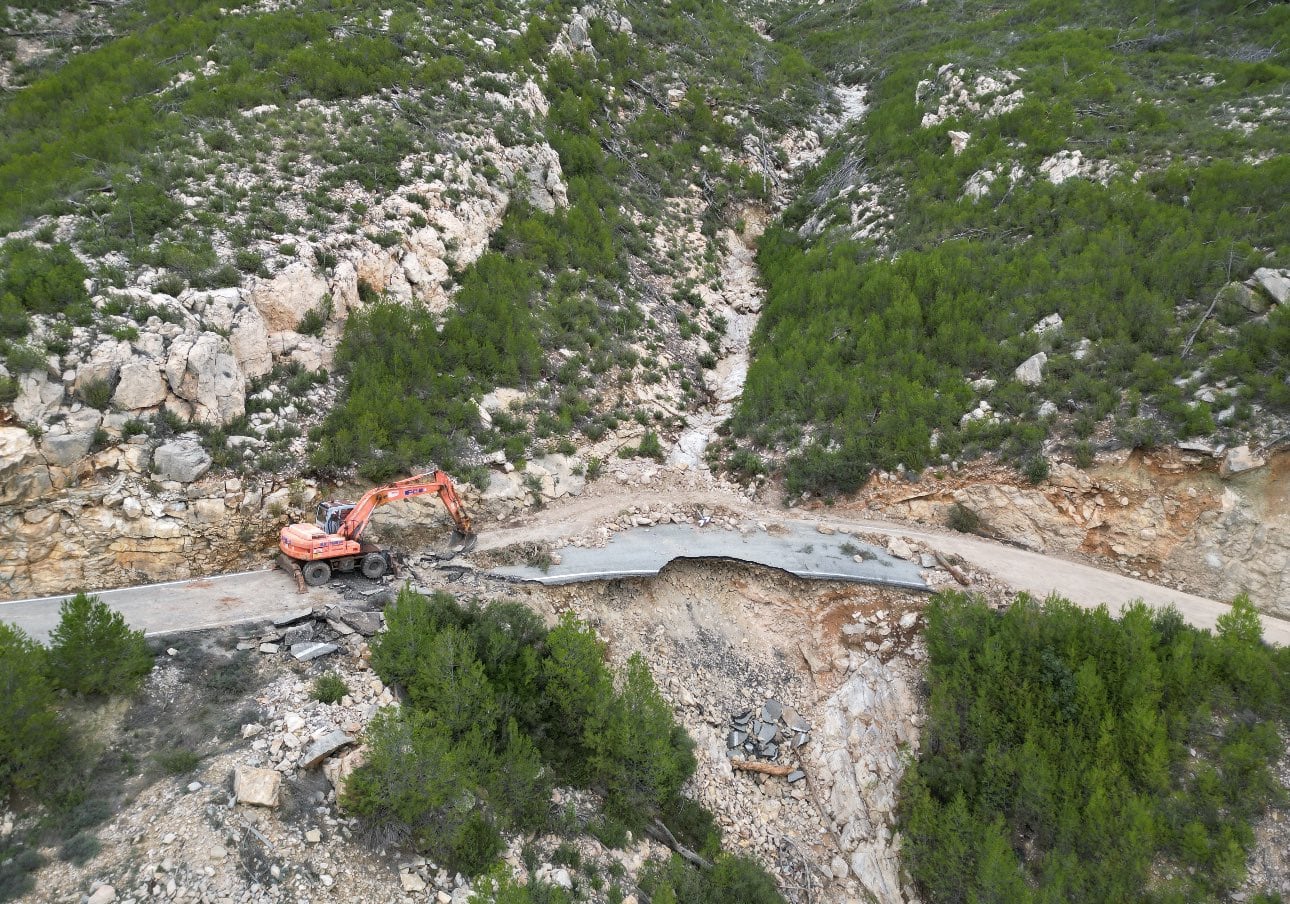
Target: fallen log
955	572
662	833
763	768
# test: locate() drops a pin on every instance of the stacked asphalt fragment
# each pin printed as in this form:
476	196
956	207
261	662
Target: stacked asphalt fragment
765	735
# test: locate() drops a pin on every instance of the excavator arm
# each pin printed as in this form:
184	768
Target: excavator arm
438	482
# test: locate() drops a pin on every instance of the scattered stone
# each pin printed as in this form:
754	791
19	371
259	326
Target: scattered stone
411	882
104	894
771	711
268	648
796	776
292	617
193	787
313	836
1031	371
365	623
258	787
899	548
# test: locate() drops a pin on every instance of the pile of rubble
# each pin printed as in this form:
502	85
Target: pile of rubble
763	738
311	632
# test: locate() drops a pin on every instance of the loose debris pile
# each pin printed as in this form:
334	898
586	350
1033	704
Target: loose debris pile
763	738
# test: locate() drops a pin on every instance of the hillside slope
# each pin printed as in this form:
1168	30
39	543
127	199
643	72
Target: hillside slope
1058	228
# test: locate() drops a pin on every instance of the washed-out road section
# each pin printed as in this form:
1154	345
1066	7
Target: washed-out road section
796	548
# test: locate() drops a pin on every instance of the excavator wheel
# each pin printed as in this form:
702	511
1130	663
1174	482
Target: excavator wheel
374	566
317	573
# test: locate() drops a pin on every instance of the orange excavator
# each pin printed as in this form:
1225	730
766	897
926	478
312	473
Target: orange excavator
333	542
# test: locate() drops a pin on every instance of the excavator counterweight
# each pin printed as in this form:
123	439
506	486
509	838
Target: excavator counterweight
334	541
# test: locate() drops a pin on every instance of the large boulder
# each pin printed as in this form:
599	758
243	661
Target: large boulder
104	364
258	787
1275	283
1031	371
284	300
182	459
23	474
201	370
141	386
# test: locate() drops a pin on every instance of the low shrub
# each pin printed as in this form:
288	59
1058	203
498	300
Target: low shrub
329	688
177	760
94	652
963	519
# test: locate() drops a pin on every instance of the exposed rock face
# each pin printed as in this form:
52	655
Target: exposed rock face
38	397
1031	371
249	339
1240	459
202	371
284	300
182	459
141	386
1169	516
865	728
23	473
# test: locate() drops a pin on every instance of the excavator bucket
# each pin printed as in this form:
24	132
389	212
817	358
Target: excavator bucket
461	543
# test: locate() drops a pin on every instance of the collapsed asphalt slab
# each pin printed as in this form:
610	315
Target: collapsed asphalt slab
796	548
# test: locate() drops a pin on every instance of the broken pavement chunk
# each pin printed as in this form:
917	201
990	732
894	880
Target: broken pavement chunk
736	738
767	733
794	721
771	711
307	651
324	747
796	776
365	623
293	616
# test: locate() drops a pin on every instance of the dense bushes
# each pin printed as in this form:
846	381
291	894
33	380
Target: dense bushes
41	281
499	711
93	650
1074	757
875	355
32	737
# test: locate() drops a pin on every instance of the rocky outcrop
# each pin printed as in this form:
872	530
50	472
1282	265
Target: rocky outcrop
284	300
23	472
1170	517
202	371
182	459
141	386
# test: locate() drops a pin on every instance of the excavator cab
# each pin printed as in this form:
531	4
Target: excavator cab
330	515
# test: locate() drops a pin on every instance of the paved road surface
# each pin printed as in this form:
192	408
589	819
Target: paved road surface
181	605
